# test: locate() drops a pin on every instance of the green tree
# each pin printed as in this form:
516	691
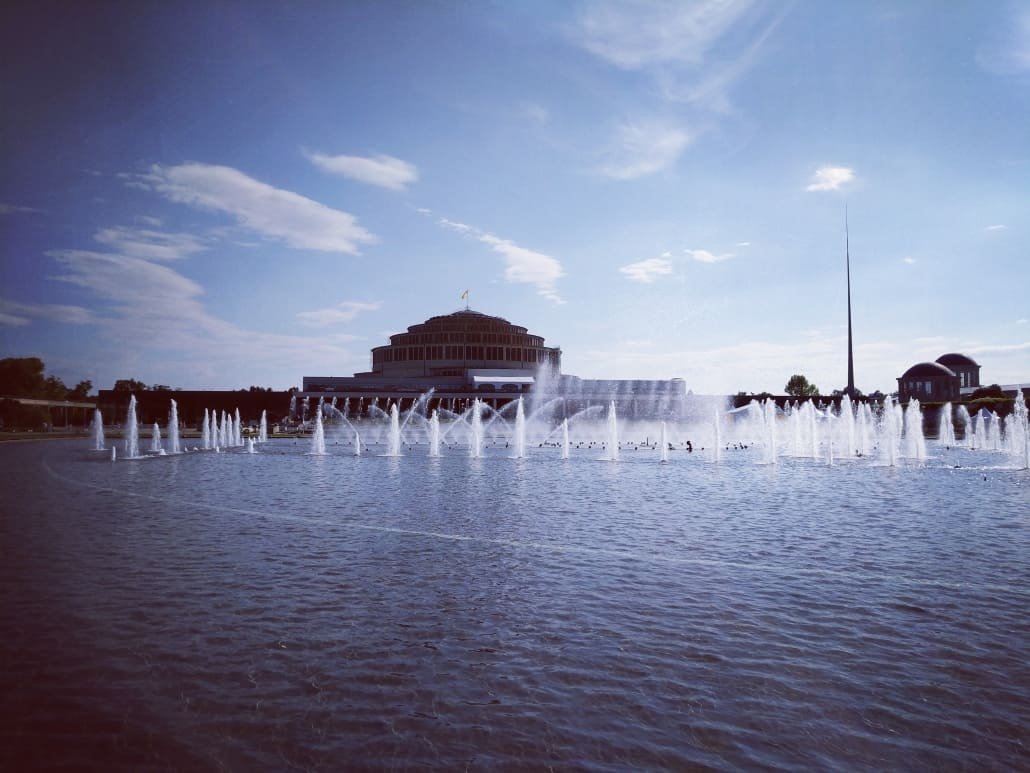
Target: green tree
22	377
798	386
81	390
129	385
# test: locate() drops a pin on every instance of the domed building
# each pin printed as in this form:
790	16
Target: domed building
453	359
453	344
945	379
964	367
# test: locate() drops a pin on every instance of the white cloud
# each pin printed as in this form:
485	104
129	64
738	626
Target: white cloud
272	212
341	312
909	259
704	256
424	211
830	178
1021	321
153	245
647	271
995	228
17	314
525	265
384	171
743	244
521	264
633	35
640	149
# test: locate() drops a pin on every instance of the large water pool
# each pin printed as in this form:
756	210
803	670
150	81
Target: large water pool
284	611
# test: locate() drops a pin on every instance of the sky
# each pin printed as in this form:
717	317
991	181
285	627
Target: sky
214	195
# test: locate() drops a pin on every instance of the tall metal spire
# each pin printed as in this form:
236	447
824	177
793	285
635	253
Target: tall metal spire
851	353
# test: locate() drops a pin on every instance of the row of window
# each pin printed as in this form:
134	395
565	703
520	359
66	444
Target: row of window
461	337
502	353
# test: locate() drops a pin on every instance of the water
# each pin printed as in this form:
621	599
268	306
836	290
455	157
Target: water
280	610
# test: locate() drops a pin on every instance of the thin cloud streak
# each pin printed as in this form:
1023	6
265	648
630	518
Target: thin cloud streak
522	265
345	311
647	271
149	244
18	314
383	171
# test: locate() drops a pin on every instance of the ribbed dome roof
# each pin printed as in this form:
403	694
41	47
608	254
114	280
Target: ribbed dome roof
954	359
928	370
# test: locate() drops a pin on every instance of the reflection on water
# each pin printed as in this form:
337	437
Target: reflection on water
278	609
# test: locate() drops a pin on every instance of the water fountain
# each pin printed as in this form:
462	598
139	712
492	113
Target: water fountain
717	432
476	443
173	428
565	438
318	437
155	439
967	425
613	434
131	431
263	428
394	445
98	431
520	431
434	434
946	427
914	440
664	440
205	432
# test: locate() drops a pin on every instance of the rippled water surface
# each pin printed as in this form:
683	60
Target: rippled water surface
283	611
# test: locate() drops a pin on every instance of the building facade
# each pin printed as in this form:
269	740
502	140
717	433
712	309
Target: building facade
451	360
949	377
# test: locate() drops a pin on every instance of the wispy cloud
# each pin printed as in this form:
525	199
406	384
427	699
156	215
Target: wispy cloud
640	149
695	51
633	35
146	243
704	256
647	271
18	314
341	312
13	209
384	171
272	212
147	306
830	178
908	259
521	264
1008	52
995	228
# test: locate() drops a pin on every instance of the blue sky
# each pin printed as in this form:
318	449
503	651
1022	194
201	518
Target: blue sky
214	195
